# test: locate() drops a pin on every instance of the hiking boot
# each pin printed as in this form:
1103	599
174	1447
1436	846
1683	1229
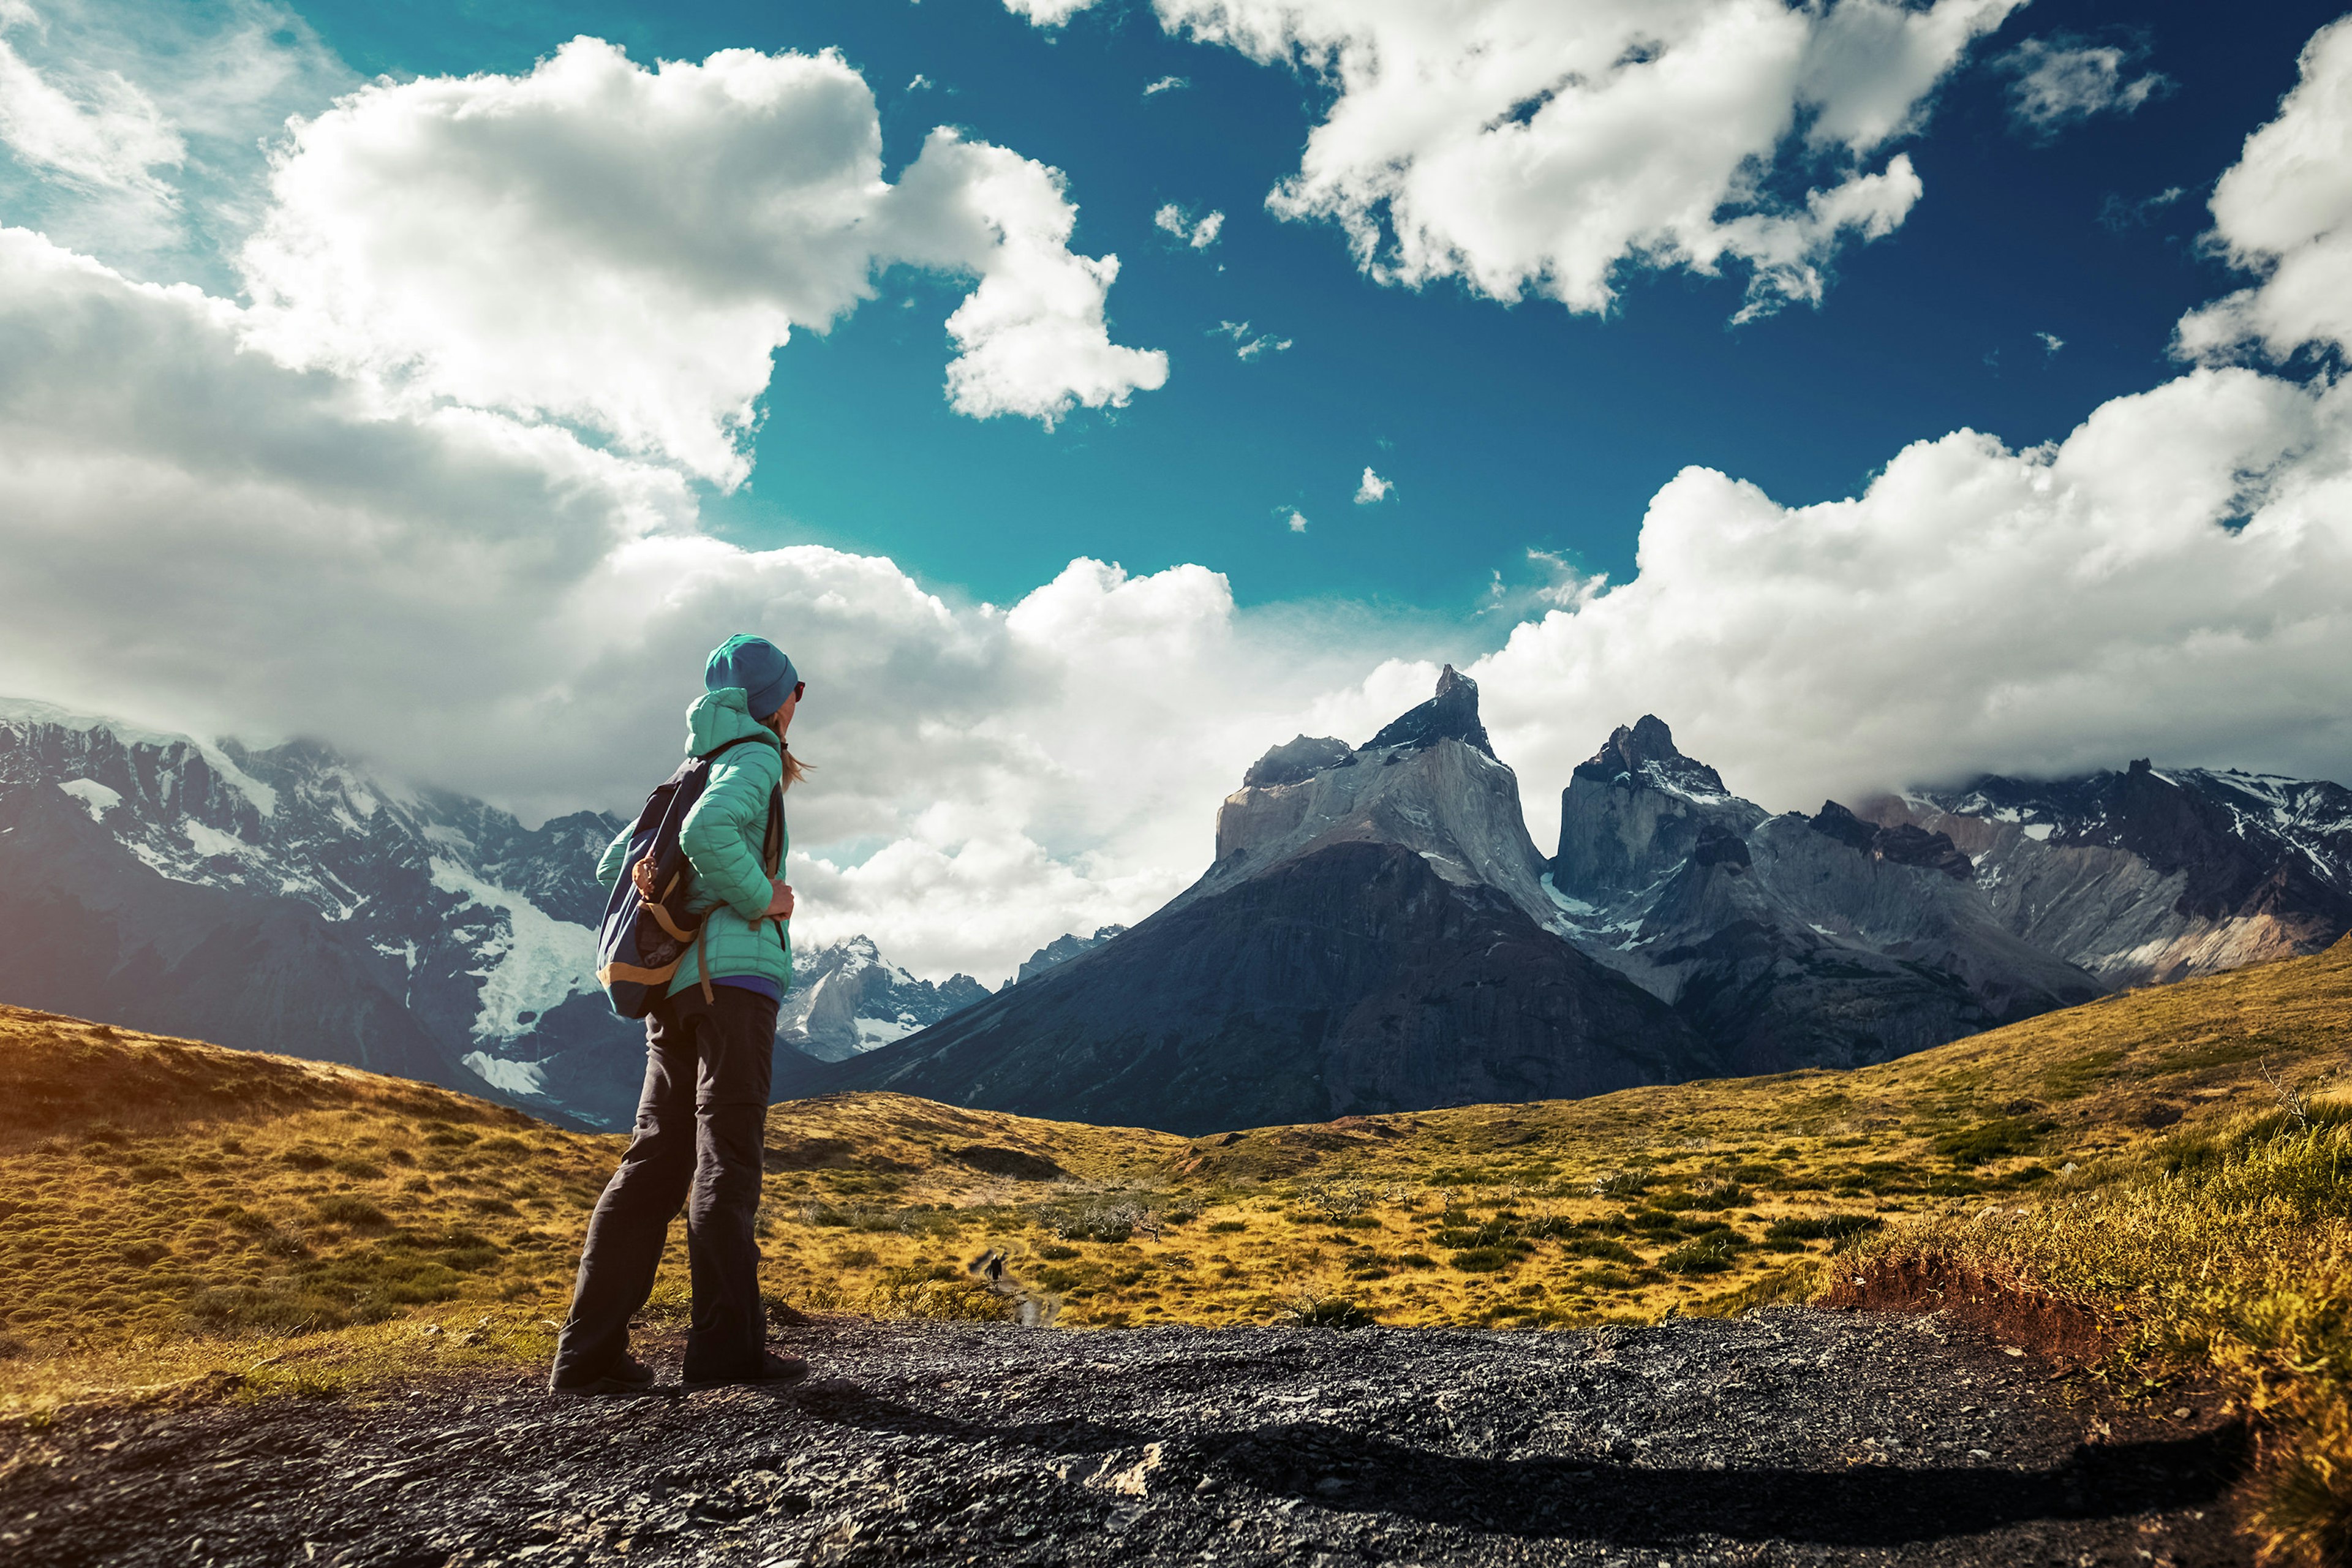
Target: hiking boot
628	1375
773	1369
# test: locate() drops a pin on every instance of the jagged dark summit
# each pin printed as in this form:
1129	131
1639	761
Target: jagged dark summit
1451	715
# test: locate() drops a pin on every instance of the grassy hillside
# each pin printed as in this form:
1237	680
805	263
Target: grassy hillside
173	1210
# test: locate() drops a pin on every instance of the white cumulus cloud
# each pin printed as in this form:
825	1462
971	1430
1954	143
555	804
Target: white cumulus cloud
2176	576
1048	13
2285	210
1544	145
624	248
2055	82
202	539
1373	489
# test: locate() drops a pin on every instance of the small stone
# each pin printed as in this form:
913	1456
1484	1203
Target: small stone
2183	1414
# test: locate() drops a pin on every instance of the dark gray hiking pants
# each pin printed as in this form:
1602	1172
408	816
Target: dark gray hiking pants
701	1123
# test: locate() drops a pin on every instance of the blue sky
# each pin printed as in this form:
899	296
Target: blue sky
379	373
1504	429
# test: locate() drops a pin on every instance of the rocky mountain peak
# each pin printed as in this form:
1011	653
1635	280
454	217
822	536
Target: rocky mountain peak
1644	751
1903	844
1296	760
1065	947
1451	715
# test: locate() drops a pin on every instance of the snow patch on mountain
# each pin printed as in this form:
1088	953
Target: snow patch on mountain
513	1077
95	797
536	965
846	999
485	927
25	710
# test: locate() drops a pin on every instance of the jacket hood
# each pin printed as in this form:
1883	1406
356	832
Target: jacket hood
718	717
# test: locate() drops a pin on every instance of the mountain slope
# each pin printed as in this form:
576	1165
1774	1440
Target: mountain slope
1846	938
286	899
1370	939
2149	876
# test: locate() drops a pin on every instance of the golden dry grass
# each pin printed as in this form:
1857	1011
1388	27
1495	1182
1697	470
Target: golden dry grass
174	1211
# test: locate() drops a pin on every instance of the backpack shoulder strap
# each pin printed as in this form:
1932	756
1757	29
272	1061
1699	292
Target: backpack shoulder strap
713	755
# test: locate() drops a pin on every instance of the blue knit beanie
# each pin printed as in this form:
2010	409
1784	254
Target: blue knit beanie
758	666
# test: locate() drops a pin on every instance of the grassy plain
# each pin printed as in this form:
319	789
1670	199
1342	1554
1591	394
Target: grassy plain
174	1214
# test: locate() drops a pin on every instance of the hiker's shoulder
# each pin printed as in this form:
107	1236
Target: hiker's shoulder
756	757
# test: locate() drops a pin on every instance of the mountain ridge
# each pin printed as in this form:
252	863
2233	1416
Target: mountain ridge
1774	940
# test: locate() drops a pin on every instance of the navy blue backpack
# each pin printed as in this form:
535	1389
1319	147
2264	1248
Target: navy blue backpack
645	933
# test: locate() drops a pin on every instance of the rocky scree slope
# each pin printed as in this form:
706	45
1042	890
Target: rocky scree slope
287	901
1372	937
1791	1437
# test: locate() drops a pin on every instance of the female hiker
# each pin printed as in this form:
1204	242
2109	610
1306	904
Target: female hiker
709	1046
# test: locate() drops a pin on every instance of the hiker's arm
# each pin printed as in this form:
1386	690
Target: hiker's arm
733	809
609	865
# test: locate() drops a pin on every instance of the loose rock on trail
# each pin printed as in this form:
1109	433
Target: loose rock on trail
1787	1436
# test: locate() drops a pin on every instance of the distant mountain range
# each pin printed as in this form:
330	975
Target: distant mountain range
1377	933
288	900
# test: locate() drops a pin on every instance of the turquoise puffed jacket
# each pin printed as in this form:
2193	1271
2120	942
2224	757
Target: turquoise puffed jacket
723	838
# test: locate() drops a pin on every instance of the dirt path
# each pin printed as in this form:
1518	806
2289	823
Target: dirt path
1792	1437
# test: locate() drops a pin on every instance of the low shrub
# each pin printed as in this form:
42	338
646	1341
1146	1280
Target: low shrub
1709	1254
1609	1251
1822	1227
1991	1140
340	1208
1482	1260
1335	1313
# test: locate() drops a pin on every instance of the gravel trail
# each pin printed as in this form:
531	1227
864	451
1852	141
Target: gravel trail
1790	1437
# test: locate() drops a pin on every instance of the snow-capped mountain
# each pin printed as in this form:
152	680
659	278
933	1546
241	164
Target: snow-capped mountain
1850	936
1787	941
847	998
2153	875
287	900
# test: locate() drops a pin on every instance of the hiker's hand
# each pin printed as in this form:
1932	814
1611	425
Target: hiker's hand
780	902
